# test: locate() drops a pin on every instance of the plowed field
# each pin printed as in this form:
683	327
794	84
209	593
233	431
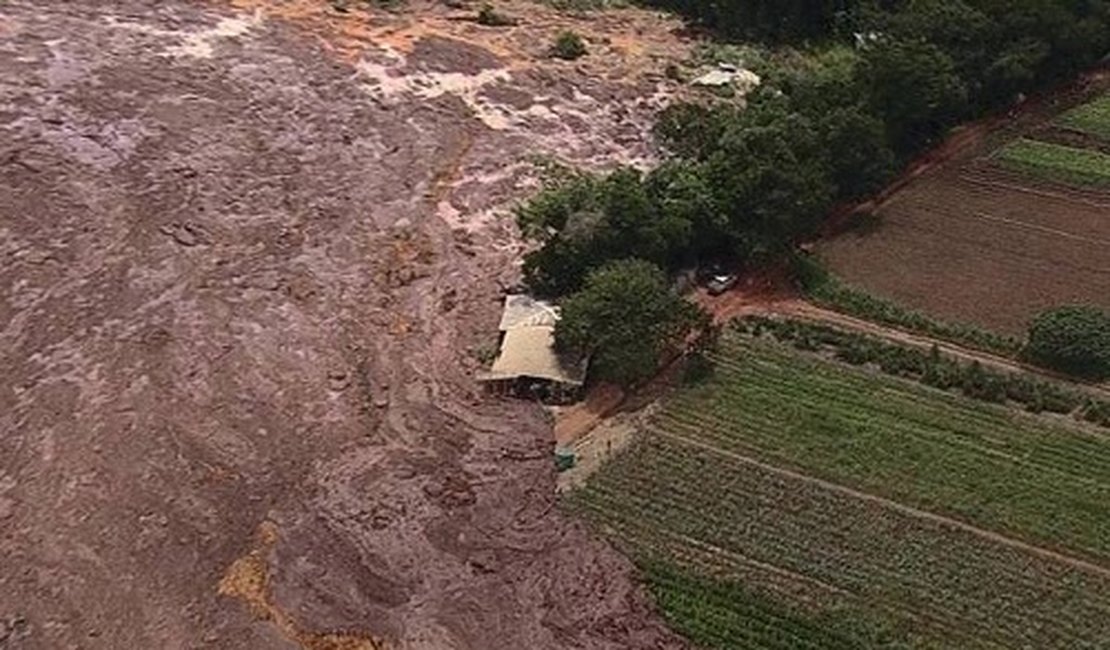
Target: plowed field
974	242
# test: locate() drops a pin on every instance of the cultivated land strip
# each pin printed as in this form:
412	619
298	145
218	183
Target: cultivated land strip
989	535
800	309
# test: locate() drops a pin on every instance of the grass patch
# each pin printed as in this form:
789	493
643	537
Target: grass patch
1056	162
763	559
824	289
1092	117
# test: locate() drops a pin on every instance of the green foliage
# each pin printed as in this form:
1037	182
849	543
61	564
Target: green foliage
568	45
773	20
744	184
1073	339
914	86
895	438
626	317
1057	162
584	221
860	157
823	289
490	17
697	368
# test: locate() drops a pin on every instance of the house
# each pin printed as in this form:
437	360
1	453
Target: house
527	363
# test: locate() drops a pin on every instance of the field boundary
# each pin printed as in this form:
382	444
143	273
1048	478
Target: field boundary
807	311
999	538
1044	229
1062	192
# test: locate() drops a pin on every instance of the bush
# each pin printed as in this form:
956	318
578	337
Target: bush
697	369
1073	339
490	17
568	45
980	384
1097	412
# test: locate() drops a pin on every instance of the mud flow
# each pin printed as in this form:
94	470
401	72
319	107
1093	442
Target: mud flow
245	252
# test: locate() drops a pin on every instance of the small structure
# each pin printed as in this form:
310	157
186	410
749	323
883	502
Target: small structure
528	363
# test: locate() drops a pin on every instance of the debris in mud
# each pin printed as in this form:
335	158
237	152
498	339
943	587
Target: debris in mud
186	234
13	629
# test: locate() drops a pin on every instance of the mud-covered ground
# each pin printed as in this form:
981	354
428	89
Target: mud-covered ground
244	254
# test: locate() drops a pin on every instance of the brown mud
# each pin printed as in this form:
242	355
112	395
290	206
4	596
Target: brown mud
245	252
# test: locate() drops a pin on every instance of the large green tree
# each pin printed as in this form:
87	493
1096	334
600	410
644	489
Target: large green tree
586	220
626	316
913	84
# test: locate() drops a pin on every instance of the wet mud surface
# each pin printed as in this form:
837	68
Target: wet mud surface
244	254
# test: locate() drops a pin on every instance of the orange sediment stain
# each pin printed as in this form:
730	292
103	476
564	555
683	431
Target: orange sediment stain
248	579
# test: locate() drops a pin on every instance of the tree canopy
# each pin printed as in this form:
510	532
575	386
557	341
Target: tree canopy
626	317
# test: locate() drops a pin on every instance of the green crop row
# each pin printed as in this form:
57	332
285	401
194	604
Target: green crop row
1057	162
932	368
1092	117
902	580
1026	475
726	613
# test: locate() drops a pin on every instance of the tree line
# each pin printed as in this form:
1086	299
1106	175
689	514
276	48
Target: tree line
867	85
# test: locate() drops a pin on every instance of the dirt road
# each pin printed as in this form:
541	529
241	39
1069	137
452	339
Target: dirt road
244	253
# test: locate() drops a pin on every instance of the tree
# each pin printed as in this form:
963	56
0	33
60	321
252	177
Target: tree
860	159
770	172
625	317
1074	339
964	33
588	220
774	20
914	86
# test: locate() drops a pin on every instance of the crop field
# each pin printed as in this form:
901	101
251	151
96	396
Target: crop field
794	502
996	236
1057	162
1092	118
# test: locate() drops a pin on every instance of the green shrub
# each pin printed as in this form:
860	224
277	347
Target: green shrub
1098	412
981	384
1074	339
569	46
697	368
490	17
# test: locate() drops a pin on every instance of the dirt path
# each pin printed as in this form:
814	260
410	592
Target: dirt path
774	297
803	310
244	255
994	537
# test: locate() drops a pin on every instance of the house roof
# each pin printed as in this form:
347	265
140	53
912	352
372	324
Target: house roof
530	352
525	311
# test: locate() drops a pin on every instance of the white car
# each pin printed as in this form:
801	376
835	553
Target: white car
721	283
